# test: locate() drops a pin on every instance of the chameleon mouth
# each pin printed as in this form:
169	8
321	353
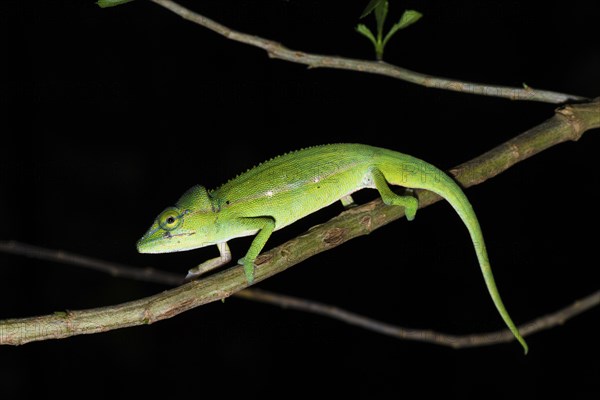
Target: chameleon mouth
153	242
146	245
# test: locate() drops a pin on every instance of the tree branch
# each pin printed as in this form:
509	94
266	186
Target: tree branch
569	123
278	51
548	321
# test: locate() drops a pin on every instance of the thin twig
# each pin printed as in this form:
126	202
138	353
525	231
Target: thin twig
548	321
152	275
569	123
278	51
114	269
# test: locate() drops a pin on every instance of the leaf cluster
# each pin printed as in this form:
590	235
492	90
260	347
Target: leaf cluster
380	9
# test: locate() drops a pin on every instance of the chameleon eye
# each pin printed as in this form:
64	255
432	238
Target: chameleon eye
170	219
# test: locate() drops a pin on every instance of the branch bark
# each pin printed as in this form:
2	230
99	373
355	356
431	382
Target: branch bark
548	321
278	51
568	123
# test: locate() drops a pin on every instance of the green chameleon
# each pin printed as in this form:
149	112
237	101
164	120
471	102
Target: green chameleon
287	188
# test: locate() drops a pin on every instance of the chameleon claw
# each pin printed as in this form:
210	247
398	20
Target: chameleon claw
191	276
248	269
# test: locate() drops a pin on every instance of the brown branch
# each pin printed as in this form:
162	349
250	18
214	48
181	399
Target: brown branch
114	269
548	321
278	51
569	123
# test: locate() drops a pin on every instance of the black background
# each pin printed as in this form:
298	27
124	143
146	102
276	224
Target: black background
108	116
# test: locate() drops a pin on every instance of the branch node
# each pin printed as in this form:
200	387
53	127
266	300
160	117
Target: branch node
569	115
263	258
366	221
334	236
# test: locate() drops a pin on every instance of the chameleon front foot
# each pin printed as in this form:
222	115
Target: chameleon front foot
248	269
265	226
203	268
209	265
191	276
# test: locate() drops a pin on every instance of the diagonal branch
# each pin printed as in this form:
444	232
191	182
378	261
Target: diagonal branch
569	123
548	321
278	51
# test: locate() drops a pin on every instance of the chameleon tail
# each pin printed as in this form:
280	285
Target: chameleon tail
407	171
493	290
455	196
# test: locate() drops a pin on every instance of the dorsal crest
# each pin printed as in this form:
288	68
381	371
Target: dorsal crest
270	160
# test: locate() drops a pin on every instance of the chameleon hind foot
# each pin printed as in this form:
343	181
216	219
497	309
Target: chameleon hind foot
348	201
409	202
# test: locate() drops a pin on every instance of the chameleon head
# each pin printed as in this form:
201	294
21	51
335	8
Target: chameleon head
188	225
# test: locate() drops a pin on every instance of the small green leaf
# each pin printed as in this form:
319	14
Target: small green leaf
380	15
408	18
111	3
370	7
366	32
